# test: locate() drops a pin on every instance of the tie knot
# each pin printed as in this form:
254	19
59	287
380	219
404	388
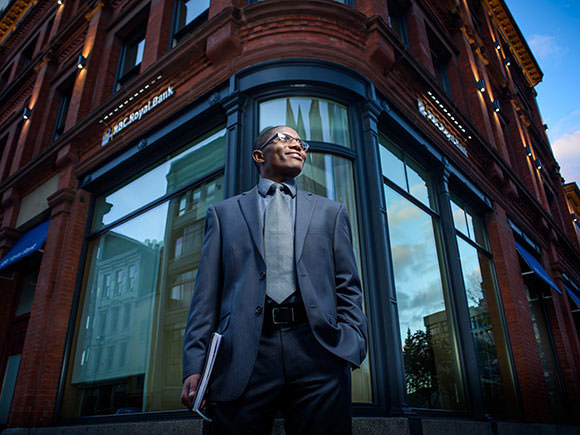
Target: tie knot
277	187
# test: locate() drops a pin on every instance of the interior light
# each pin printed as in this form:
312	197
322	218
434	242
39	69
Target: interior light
538	164
59	2
507	61
497	45
481	86
528	151
26	113
495	105
574	217
82	62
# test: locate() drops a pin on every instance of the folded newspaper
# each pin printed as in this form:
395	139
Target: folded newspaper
214	346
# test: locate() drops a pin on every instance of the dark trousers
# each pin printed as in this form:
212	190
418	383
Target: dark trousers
297	376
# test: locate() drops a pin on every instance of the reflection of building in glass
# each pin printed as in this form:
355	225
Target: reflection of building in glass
438	332
112	345
184	233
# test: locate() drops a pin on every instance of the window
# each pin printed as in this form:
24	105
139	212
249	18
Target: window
27	54
397	19
314	119
132	50
64	95
344	2
440	58
432	374
8	385
325	174
189	14
484	313
135	228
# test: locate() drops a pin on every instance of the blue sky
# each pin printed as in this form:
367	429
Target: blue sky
552	30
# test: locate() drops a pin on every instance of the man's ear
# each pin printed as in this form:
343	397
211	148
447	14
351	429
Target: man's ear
258	156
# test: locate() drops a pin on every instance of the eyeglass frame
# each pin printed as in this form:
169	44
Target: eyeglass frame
303	144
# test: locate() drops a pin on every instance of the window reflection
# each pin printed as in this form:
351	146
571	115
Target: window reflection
331	176
431	367
201	158
484	313
314	119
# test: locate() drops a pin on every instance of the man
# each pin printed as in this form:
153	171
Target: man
277	277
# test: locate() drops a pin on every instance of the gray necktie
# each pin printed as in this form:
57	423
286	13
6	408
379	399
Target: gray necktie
279	247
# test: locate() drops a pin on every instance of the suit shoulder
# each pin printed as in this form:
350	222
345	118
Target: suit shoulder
231	201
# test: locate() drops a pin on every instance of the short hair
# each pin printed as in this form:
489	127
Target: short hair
265	135
262	138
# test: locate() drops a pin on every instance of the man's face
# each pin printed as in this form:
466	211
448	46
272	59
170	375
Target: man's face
281	161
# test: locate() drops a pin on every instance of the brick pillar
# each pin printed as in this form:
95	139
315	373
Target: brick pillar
158	32
528	366
37	104
471	71
8	280
40	366
418	40
81	101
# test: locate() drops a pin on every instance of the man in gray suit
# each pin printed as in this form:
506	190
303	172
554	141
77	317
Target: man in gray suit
278	278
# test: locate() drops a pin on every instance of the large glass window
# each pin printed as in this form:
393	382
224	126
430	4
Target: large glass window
324	174
484	313
138	285
314	119
432	375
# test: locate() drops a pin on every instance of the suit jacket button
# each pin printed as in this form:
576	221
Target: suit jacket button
262	275
259	309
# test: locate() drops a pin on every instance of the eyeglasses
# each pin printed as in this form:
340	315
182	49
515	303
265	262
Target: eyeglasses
286	139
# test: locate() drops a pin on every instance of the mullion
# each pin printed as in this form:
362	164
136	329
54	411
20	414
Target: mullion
472	243
409	197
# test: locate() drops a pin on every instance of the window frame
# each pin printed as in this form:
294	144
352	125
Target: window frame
123	75
178	35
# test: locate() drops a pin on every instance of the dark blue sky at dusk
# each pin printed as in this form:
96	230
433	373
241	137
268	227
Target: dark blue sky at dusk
552	30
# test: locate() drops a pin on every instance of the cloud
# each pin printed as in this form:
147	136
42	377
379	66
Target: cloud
545	47
567	151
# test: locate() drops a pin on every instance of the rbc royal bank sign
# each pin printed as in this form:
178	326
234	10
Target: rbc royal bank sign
136	115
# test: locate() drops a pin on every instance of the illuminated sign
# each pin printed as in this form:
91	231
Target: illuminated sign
136	115
427	113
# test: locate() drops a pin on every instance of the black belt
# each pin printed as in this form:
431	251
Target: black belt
284	315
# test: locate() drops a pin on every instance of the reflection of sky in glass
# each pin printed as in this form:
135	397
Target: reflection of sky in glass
144	189
471	272
149	225
415	263
393	167
403	174
313	118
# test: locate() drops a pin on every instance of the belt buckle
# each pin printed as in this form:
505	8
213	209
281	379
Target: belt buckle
276	310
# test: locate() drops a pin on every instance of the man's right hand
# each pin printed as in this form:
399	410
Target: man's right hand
189	390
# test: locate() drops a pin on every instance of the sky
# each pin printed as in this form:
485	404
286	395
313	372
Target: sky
552	30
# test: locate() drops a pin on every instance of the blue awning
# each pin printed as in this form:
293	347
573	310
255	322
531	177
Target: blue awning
28	244
573	295
537	267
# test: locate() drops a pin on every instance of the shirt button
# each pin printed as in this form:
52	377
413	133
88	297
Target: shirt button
262	275
259	309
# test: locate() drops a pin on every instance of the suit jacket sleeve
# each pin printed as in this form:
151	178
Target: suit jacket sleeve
348	286
202	318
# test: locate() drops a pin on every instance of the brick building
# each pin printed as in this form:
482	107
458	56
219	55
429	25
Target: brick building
122	120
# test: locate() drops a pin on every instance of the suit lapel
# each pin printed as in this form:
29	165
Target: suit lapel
304	207
249	205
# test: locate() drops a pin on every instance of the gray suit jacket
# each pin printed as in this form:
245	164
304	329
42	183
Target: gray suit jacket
230	289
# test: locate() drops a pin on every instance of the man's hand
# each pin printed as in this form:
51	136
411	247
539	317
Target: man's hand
189	390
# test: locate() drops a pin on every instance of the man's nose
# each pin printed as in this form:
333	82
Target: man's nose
295	145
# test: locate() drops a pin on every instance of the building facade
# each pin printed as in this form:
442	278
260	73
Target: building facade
123	120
